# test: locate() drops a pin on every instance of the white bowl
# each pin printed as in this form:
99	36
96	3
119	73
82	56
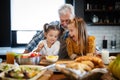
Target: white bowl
52	58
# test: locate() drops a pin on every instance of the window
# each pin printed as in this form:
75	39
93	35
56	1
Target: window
27	36
30	15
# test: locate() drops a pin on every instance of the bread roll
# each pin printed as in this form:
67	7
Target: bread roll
79	66
96	60
89	63
75	65
85	67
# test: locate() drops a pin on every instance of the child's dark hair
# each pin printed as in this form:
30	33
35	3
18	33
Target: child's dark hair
48	27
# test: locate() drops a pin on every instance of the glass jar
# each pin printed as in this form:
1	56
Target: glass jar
95	19
113	42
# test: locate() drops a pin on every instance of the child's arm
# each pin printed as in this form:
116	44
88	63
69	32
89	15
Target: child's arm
39	47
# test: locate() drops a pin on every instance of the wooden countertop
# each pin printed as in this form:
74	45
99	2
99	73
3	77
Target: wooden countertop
58	76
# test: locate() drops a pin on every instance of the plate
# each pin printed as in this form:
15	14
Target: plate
5	67
24	72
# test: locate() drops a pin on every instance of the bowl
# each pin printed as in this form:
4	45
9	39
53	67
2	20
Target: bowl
29	60
52	58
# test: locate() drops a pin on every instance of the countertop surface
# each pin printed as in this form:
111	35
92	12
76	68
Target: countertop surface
117	50
3	50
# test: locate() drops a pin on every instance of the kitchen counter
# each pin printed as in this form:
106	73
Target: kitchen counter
113	52
3	50
117	50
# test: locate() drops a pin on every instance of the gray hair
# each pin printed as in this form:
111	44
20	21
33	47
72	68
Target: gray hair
66	8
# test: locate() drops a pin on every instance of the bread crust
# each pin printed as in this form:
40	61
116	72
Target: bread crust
89	63
96	60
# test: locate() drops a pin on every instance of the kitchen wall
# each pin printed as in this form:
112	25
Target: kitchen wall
108	31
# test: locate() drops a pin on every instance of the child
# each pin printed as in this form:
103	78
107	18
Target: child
50	45
78	42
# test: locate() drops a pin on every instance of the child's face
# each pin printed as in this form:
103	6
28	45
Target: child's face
52	36
73	31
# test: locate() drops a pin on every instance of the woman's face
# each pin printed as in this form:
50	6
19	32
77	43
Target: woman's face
73	31
52	36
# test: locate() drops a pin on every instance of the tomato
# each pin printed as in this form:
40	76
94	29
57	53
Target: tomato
33	55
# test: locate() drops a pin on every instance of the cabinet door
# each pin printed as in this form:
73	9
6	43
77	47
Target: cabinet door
79	8
102	12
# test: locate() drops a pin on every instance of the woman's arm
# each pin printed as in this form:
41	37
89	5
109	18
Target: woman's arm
91	45
70	49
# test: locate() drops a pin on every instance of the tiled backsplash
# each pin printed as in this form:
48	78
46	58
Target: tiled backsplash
108	31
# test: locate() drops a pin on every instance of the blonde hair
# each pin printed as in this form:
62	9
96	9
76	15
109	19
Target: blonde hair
80	24
66	8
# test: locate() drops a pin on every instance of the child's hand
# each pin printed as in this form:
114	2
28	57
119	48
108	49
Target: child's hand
40	46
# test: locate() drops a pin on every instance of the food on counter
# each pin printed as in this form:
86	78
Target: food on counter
24	72
96	60
85	63
28	58
89	63
6	67
114	67
51	58
34	54
28	55
79	66
76	71
25	55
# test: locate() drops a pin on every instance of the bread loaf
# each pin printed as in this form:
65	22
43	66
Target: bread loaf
89	63
79	66
96	60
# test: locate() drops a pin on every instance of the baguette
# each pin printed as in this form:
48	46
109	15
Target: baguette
89	63
79	66
96	60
